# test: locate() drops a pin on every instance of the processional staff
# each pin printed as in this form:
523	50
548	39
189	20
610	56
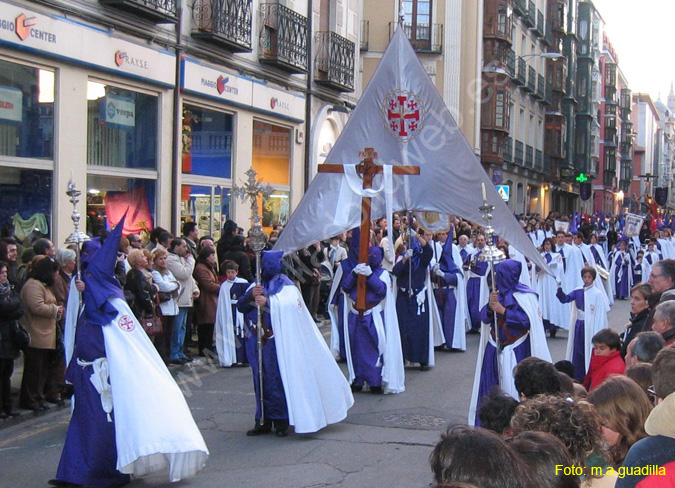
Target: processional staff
492	255
257	240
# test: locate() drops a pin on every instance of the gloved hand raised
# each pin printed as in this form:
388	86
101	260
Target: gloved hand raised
362	269
408	254
439	272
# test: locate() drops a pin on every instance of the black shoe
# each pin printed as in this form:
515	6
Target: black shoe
281	432
260	429
3	416
177	362
45	406
553	332
473	331
356	388
424	367
376	390
58	402
56	482
13	414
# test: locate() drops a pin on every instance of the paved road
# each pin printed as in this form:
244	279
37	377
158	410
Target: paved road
385	441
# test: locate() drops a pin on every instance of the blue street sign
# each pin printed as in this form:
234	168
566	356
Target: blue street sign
504	192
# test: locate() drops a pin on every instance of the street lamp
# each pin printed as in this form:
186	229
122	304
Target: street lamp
551	56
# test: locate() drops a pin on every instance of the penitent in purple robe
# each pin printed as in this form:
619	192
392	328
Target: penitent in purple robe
622	279
90	452
363	339
578	351
476	272
447	303
413	316
238	290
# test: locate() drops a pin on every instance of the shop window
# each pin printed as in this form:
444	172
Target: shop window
109	197
207	142
209	206
25	203
26	111
272	153
121	127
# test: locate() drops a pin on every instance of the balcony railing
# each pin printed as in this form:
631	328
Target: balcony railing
531	80
548	34
626	100
521	79
541	88
531	19
223	22
365	34
158	11
548	99
425	38
283	38
610	94
520	7
529	157
334	61
539	28
547	164
511	63
539	160
519	153
508	150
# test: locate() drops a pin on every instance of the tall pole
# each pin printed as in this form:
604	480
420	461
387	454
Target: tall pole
492	255
257	239
77	237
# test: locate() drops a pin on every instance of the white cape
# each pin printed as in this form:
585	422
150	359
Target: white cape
154	428
507	359
571	279
226	343
595	319
546	287
317	393
389	336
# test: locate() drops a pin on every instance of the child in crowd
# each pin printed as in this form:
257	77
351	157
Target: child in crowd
587	317
229	325
605	360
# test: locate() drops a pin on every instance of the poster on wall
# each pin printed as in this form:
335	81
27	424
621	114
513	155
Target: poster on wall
11	104
118	111
275	209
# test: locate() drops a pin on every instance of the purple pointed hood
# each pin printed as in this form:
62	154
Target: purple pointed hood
507	275
448	264
271	272
99	277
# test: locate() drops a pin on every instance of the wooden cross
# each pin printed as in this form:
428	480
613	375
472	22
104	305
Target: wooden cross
368	169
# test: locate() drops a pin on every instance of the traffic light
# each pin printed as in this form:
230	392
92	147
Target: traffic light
581	178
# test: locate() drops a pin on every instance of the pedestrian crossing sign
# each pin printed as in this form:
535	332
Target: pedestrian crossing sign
504	192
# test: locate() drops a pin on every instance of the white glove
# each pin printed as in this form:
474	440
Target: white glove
439	272
408	254
558	282
363	269
435	267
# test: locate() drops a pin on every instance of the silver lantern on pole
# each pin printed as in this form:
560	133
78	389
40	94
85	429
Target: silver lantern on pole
77	237
491	254
251	190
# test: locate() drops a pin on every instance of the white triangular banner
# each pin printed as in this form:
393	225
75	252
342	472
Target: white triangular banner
402	116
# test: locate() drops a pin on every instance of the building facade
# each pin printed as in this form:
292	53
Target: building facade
163	105
645	118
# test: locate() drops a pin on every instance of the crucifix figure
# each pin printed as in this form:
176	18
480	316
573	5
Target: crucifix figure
252	190
368	169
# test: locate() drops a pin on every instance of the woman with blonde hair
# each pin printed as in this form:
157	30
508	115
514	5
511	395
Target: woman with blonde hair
623	408
168	301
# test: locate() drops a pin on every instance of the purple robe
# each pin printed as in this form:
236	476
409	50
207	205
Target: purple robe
89	454
447	303
238	290
578	350
413	320
621	280
363	340
473	290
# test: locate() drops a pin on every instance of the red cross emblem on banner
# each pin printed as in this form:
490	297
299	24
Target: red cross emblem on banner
403	114
127	323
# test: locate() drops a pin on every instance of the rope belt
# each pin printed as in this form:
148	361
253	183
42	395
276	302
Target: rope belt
99	379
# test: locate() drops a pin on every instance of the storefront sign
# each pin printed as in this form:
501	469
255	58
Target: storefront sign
207	81
203	80
278	102
61	38
11	104
118	111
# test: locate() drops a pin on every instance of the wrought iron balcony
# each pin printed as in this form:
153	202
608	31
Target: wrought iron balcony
547	164
548	99
541	88
158	11
519	153
529	156
539	28
511	63
425	38
530	19
508	150
334	61
365	35
520	7
531	80
223	22
539	160
521	79
283	38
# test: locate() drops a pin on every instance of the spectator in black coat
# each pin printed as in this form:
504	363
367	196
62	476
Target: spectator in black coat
140	285
11	310
237	254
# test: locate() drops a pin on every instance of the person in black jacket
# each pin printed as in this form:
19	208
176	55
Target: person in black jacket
225	242
640	298
237	254
11	309
140	285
